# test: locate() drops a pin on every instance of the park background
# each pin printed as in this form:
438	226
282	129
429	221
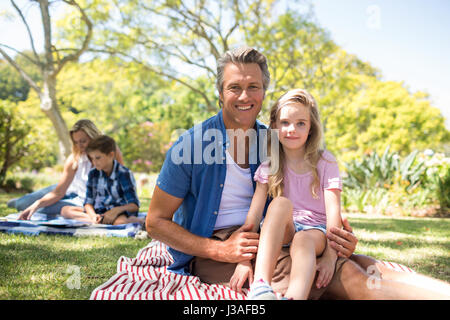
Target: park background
143	69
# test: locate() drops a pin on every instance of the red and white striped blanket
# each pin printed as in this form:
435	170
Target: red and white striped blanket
146	278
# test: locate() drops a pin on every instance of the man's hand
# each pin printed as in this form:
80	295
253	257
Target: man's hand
343	240
242	245
28	212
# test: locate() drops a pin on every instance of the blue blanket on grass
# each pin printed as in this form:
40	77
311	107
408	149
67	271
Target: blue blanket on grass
43	224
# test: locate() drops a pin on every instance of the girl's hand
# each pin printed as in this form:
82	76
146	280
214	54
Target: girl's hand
326	266
98	218
242	272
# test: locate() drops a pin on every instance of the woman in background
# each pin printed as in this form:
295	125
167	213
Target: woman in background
71	189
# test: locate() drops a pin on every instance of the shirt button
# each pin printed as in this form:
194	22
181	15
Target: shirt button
221	185
215	212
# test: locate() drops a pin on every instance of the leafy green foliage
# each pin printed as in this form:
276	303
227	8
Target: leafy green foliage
443	190
438	179
387	183
43	150
154	62
13	132
373	171
144	145
383	114
12	85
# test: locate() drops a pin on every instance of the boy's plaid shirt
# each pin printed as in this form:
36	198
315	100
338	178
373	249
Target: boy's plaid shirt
105	193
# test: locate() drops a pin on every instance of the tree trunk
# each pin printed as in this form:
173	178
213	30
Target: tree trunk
50	69
7	150
49	105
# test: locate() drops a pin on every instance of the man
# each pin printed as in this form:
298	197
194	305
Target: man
205	187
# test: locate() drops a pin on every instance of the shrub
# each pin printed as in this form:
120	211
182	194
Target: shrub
380	184
13	131
144	145
438	179
374	171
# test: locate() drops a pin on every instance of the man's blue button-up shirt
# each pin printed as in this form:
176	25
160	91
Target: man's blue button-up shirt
195	170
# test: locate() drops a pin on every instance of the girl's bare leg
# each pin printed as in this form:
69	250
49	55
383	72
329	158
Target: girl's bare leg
305	247
278	217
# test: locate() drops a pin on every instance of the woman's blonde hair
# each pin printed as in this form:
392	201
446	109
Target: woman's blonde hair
88	127
313	145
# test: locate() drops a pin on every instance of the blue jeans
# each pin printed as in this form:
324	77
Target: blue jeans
54	209
299	227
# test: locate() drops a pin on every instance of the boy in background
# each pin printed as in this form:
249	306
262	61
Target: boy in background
111	196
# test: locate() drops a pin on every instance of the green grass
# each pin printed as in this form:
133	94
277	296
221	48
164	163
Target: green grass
423	244
39	267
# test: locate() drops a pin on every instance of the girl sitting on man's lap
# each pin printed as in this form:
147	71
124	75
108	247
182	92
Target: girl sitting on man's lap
304	182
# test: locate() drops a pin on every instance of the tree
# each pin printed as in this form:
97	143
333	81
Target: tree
12	86
49	65
177	44
179	40
13	130
123	99
382	114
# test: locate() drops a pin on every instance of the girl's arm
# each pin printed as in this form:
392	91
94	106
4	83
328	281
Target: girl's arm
255	212
244	269
326	263
55	195
333	208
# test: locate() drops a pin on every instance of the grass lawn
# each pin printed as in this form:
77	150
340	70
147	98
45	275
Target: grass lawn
40	267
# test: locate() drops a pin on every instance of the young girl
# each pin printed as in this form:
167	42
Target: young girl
304	182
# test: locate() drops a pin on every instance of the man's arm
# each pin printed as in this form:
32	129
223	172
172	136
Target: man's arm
343	240
242	245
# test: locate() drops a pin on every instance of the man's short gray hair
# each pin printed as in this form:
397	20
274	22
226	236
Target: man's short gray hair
242	55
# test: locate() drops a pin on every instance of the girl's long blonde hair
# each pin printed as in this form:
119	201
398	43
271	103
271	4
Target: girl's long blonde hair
88	127
313	145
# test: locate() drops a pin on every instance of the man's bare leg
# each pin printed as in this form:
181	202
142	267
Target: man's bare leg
441	288
354	283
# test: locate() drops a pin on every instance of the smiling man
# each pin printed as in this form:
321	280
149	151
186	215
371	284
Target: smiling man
241	95
199	208
193	200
